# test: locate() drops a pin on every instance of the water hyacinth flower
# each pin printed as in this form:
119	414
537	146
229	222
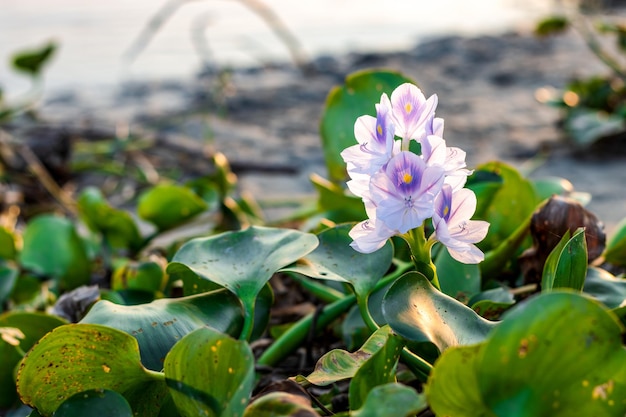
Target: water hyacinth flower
453	226
401	189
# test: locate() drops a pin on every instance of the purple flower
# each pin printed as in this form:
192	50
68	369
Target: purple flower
451	159
403	192
370	235
412	112
453	226
375	137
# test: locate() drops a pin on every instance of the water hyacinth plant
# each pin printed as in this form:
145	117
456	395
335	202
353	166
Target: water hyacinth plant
401	189
436	290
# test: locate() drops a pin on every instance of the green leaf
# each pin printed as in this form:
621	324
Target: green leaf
586	126
334	259
117	226
7	244
566	266
80	357
357	97
146	276
210	374
244	261
95	402
558	354
8	278
32	61
33	326
280	404
391	400
53	248
335	203
168	205
338	364
615	251
157	326
379	369
510	206
605	287
458	280
552	25
420	313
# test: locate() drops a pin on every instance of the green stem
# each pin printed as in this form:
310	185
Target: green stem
420	254
420	368
317	288
248	320
363	303
297	333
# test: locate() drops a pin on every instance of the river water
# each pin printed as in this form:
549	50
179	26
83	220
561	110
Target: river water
94	35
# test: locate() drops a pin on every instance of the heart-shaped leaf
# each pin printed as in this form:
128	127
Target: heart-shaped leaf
338	364
244	261
53	248
558	354
566	265
168	205
158	325
420	313
78	357
344	104
210	374
392	400
334	259
95	402
32	61
33	326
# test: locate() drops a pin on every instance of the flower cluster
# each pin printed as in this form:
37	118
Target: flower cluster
401	189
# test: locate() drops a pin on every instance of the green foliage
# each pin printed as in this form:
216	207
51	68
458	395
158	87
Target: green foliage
559	354
211	374
552	25
53	249
566	266
172	334
168	205
32	61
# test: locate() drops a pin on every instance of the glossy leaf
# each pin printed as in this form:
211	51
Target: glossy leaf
379	369
558	354
334	259
116	226
344	105
210	374
566	265
458	280
280	404
168	205
33	326
615	251
420	313
510	206
53	248
244	261
392	400
95	402
80	357
158	325
605	287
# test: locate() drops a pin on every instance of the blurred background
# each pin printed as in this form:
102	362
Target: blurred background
103	43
